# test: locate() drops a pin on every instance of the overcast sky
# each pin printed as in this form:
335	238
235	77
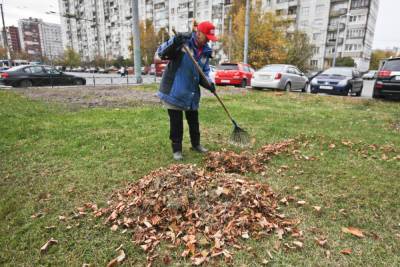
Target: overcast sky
387	33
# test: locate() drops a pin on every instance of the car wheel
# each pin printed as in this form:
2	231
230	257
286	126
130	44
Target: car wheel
288	87
25	83
243	84
78	82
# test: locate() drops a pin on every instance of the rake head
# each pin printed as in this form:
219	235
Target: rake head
240	137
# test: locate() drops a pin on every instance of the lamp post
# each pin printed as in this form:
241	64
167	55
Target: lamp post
337	37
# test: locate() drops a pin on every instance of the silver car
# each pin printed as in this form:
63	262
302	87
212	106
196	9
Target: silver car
280	76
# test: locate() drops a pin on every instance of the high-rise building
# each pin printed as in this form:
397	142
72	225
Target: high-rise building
104	27
30	36
51	40
14	42
348	25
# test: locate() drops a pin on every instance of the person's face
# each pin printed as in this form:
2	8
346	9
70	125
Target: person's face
201	38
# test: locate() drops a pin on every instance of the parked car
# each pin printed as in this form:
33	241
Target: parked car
339	81
159	66
38	75
387	83
3	69
370	75
238	74
102	70
280	76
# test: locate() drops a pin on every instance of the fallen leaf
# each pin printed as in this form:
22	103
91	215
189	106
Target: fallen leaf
346	251
354	231
321	242
245	235
301	202
61	218
328	254
114	228
317	208
296	188
115	262
46	246
332	146
298	244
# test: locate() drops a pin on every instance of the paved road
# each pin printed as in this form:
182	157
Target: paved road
367	89
107	79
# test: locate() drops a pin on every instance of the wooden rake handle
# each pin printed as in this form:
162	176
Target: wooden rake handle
205	78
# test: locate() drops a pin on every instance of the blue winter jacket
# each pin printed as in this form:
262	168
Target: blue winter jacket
180	82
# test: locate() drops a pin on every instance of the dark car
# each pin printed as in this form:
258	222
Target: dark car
387	83
338	81
38	75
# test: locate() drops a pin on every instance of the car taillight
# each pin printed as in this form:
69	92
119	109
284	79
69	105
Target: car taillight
378	85
384	74
278	76
5	75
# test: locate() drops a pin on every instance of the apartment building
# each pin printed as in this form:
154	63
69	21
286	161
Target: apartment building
104	27
351	22
30	36
13	40
51	40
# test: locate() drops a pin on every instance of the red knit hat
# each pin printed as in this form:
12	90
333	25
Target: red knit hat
208	29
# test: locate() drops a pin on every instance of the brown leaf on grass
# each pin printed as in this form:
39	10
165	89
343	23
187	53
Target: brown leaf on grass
346	251
118	260
317	208
332	146
327	254
298	244
37	215
198	260
114	227
354	231
167	260
62	218
301	202
46	246
321	242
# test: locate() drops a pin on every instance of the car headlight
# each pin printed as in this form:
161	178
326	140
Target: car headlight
343	82
314	81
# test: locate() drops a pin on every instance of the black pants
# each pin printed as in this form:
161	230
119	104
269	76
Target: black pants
176	128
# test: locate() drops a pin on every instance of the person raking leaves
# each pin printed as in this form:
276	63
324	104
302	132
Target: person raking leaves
179	88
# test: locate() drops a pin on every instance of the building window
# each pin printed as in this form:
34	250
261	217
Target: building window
314	63
359	3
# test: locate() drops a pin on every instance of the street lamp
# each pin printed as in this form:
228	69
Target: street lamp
337	37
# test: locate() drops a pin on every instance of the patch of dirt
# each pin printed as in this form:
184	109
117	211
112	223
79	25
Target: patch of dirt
104	96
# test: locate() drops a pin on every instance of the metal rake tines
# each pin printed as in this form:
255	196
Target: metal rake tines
240	137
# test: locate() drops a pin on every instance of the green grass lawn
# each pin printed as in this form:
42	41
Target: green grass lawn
53	160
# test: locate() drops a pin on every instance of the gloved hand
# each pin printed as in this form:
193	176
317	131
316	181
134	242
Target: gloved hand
212	88
181	37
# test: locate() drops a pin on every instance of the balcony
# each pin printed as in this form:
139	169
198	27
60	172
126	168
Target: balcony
338	1
339	12
332	42
333	27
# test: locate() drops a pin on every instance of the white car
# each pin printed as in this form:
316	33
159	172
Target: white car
280	76
370	75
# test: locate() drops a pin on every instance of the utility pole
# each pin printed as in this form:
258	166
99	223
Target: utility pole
5	34
136	35
246	32
230	37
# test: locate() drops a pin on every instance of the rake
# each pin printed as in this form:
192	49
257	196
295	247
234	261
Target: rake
239	136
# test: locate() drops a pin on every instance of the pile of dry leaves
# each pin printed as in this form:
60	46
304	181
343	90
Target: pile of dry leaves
206	213
231	162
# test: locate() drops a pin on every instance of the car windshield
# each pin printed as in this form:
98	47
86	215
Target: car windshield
272	68
393	65
338	72
228	67
16	68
